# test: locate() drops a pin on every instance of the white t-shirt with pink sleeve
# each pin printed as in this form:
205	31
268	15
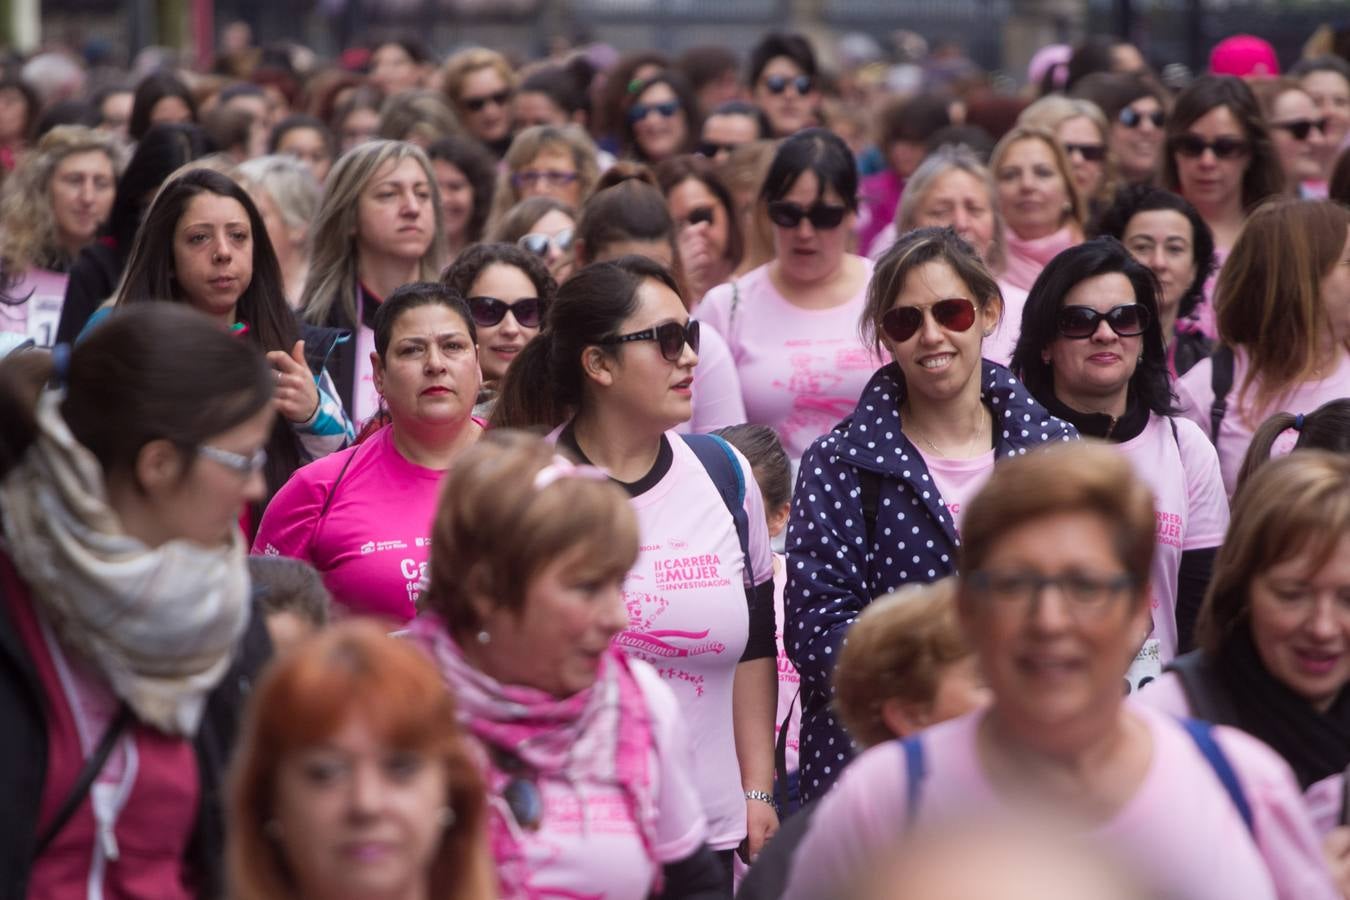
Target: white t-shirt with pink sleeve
589	844
958	480
689	618
372	544
1195	396
37	316
1191	509
1180	833
801	370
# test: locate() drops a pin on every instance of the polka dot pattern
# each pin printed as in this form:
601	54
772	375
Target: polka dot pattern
835	567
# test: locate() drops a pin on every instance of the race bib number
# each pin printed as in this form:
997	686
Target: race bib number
1146	667
44	314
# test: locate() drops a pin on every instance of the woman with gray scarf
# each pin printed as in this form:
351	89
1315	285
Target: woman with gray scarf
126	640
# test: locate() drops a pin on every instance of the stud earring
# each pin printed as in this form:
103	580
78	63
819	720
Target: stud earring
483	637
446	817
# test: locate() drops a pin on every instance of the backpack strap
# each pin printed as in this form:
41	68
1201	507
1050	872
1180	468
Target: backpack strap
735	304
869	494
1220	382
916	770
85	780
725	471
1203	735
780	768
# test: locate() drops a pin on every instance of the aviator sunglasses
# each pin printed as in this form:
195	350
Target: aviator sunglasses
1126	320
903	322
488	311
669	336
822	216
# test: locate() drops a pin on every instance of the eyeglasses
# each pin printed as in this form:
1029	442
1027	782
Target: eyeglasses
1016	593
1089	152
670	336
709	149
822	216
776	84
903	322
699	215
1301	128
488	311
539	244
1126	320
1192	146
476	104
551	177
1133	118
639	111
238	463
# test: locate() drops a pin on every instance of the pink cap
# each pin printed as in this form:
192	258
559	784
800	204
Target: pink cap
1047	56
1244	55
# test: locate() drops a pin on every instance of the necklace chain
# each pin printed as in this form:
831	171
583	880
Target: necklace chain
979	432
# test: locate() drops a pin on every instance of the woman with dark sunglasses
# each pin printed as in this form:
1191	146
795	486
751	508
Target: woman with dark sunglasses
584	751
1092	352
611	373
1300	135
508	290
661	119
1136	108
878	500
792	324
782	79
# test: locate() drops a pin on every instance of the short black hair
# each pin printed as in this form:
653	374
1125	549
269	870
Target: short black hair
1135	199
411	296
817	150
1151	384
775	44
750	111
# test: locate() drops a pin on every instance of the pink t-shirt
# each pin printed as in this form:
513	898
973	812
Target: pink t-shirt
999	346
789	682
717	387
589	846
1191	509
1195	397
372	545
958	480
688	617
801	370
1180	832
38	316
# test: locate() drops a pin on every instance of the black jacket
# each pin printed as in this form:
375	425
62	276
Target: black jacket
23	757
93	278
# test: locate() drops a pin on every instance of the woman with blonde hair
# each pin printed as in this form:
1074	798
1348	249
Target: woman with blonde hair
1082	130
378	227
1283	307
1043	210
480	85
546	161
52	207
418	117
353	778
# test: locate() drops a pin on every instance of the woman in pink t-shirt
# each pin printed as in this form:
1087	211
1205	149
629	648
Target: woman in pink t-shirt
583	749
1091	350
611	374
1274	633
1283	309
1053	595
362	516
792	324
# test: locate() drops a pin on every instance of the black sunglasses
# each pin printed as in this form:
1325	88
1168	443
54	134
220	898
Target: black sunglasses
709	149
639	111
488	311
1133	118
1126	320
476	104
1301	128
1192	146
1089	152
539	244
776	84
670	336
903	322
822	216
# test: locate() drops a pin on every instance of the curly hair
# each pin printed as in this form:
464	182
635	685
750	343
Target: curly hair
29	237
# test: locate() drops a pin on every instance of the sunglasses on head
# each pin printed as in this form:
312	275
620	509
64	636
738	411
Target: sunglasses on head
709	149
1126	320
1192	146
1133	118
669	336
539	244
1089	152
639	111
953	314
776	84
822	216
488	311
476	104
1301	128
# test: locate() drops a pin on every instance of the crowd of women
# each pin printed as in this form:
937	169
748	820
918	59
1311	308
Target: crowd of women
629	477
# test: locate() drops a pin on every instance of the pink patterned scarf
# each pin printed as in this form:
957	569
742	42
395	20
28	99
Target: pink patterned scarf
1026	258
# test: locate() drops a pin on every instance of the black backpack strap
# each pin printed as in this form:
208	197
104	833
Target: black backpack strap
1221	383
85	780
780	751
869	494
725	471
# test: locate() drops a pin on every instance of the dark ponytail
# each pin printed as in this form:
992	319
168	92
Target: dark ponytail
1325	428
545	384
148	372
